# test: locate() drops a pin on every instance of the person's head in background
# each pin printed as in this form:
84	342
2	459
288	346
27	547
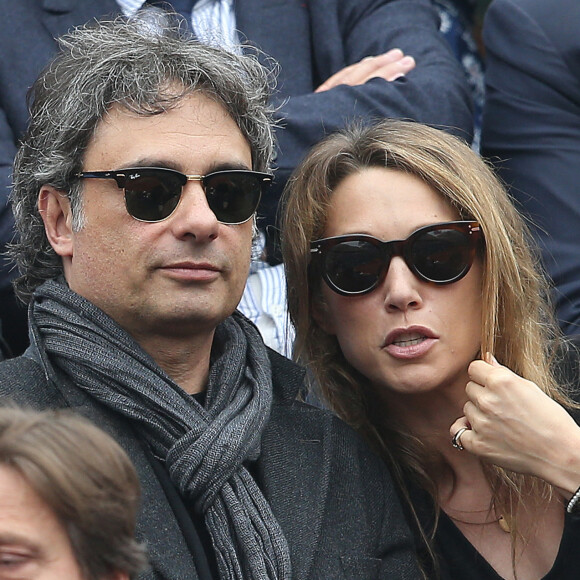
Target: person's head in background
389	345
68	500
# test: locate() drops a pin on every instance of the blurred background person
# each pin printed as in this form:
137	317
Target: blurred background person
460	24
69	498
531	125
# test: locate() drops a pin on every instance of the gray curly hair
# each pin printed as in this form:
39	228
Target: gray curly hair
146	64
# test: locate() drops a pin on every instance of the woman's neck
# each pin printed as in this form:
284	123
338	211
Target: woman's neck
427	416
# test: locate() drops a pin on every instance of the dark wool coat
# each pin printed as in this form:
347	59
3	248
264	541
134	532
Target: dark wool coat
334	499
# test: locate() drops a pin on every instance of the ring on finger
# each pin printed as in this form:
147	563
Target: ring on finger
456	441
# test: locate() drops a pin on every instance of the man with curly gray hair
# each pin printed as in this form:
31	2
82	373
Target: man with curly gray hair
135	191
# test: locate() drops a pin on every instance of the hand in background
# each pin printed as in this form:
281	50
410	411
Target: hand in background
390	66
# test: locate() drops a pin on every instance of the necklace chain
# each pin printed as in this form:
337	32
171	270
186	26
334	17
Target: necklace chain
501	521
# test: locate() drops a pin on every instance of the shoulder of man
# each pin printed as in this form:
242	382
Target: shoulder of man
289	384
296	422
23	381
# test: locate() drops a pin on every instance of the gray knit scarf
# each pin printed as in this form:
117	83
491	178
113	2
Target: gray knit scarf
203	448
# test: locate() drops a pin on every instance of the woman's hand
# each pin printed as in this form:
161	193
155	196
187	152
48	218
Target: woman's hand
512	423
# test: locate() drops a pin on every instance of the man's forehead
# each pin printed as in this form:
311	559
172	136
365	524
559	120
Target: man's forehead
193	127
197	106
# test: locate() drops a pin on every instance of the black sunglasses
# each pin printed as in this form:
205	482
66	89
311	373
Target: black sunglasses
356	264
152	194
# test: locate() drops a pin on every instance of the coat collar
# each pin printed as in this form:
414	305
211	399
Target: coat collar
287	377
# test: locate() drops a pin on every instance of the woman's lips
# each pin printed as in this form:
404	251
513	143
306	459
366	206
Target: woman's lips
409	343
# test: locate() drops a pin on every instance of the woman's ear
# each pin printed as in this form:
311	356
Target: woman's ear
55	210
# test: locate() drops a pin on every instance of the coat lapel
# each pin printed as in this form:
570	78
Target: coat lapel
294	472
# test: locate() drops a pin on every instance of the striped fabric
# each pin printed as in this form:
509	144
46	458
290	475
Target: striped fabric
264	303
212	21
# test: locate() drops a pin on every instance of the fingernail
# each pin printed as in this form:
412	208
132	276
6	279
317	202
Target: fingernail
394	54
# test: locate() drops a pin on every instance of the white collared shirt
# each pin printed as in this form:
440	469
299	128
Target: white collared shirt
264	303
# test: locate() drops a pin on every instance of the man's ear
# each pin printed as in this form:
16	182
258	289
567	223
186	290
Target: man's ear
55	210
319	310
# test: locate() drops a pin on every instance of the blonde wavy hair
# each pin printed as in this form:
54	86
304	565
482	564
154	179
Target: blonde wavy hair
517	320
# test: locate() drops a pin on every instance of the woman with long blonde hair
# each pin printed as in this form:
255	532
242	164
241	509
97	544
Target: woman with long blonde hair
422	313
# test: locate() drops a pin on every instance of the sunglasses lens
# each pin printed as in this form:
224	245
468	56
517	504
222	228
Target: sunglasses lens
151	195
353	267
442	255
233	196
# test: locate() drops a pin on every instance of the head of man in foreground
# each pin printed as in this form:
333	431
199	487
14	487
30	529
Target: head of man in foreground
139	178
